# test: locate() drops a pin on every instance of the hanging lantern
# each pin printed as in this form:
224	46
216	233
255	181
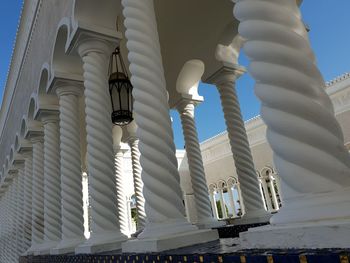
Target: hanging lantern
120	90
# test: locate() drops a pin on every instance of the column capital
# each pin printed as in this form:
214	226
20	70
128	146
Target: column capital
119	149
18	161
131	139
70	90
187	100
88	38
50	118
34	128
24	147
37	139
66	85
227	73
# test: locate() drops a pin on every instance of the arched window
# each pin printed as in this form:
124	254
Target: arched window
234	194
270	189
212	195
225	199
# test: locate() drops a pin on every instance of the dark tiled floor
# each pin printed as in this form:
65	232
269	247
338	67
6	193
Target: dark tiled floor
225	250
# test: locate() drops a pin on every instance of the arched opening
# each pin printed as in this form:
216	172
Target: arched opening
16	145
11	158
32	109
64	65
23	128
270	188
235	199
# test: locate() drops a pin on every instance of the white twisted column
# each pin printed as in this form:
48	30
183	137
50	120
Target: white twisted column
28	177
105	230
306	139
138	184
195	163
2	227
20	207
37	195
14	217
250	190
71	173
120	186
52	179
164	208
8	224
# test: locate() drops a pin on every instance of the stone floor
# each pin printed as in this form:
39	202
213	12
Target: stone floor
225	250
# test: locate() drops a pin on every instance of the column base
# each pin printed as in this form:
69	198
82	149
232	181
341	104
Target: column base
208	224
256	217
305	208
170	241
67	246
311	236
34	248
102	242
45	248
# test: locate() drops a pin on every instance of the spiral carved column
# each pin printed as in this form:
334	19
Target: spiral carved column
37	195
306	139
138	184
164	208
28	177
120	185
253	203
71	173
160	176
195	163
52	188
100	156
8	225
20	207
14	218
2	227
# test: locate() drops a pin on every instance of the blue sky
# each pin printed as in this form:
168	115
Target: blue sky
329	22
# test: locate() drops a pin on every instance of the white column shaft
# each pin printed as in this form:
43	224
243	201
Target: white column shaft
52	180
306	139
240	146
100	156
164	206
14	218
21	209
138	184
160	176
195	162
71	173
28	166
37	195
120	186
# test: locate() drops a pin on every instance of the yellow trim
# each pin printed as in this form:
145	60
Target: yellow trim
243	259
269	259
302	259
344	259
